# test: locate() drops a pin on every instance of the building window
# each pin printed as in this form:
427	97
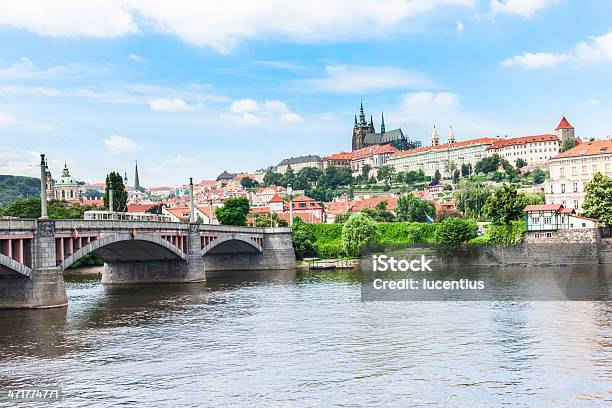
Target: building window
576	204
584	225
574	170
563	187
535	220
575	185
562	172
536	235
547	220
584	171
549	235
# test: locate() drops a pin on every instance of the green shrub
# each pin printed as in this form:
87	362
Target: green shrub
404	233
329	249
357	233
481	240
455	231
507	233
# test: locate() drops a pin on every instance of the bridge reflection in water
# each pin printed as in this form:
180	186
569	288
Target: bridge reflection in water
34	254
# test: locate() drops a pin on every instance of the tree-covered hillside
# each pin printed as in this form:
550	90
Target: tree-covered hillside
13	188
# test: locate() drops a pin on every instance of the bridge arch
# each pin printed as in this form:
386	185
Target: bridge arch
11	266
230	244
125	247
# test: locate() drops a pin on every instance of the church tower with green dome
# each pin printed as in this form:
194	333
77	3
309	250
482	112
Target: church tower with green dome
66	187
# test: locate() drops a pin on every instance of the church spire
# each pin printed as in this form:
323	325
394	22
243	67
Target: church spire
136	179
435	139
382	122
362	119
355	120
371	122
451	135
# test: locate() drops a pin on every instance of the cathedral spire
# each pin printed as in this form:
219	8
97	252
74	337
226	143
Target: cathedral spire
435	139
136	179
371	122
451	135
382	122
355	120
362	119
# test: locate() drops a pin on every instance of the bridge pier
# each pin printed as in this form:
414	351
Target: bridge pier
189	270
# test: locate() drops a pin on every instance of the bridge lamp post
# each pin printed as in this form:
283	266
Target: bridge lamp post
43	188
110	200
191	204
210	211
289	190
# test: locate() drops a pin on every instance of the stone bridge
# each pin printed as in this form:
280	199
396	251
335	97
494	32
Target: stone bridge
34	254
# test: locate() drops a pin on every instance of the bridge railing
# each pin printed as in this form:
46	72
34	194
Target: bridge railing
119	225
17	224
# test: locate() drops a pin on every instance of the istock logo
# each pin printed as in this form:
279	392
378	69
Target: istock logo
384	263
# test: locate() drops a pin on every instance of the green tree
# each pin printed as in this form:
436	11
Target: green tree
504	205
365	172
247	182
538	176
567	144
114	181
436	178
470	201
454	231
520	163
456	175
466	169
288	177
303	240
487	164
265	220
358	232
379	212
386	173
414	209
56	209
598	199
273	179
233	212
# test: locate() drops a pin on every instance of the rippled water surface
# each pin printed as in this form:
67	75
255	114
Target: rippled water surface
305	339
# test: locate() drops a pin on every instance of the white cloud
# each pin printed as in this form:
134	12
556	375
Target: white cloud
180	159
19	162
68	18
205	23
429	101
173	105
524	8
7	118
249	111
137	58
459	27
361	79
592	102
116	144
597	49
26	69
536	60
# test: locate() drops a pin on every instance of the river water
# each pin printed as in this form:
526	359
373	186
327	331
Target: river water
301	339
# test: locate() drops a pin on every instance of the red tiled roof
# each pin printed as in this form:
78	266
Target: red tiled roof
338	207
139	208
338	156
371	203
372	150
523	139
588	149
564	124
543	207
302	198
179	212
465	143
306	217
98	202
276	199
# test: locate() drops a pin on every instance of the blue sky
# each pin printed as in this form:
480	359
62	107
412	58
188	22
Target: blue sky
193	88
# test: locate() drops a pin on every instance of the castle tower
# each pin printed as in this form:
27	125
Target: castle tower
565	130
382	122
435	139
451	135
360	129
136	179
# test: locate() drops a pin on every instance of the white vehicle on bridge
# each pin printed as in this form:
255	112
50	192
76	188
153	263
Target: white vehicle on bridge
125	216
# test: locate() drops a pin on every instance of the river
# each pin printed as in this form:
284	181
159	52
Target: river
302	339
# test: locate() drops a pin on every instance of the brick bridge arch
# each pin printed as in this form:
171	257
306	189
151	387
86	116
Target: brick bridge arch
15	267
118	247
231	243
